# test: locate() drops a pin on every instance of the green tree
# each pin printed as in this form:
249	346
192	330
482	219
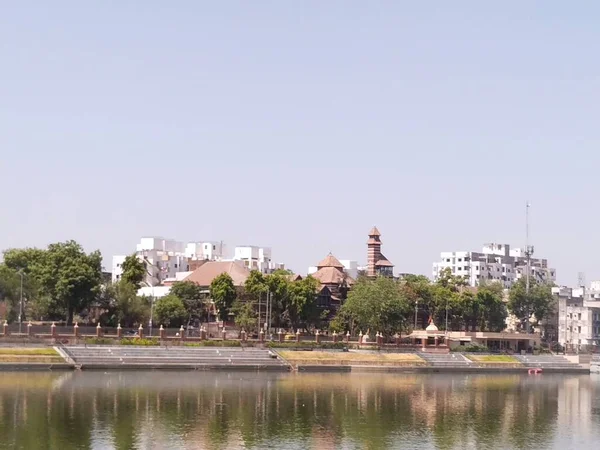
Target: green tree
134	270
301	305
223	293
68	278
379	305
494	312
170	311
122	305
192	297
244	314
537	303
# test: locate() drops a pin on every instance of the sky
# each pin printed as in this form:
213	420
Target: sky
300	125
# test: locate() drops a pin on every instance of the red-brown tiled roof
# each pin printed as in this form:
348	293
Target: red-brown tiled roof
374	232
383	261
206	273
330	261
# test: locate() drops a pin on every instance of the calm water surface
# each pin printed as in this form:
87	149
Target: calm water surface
158	410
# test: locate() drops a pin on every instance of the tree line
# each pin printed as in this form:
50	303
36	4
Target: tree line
63	282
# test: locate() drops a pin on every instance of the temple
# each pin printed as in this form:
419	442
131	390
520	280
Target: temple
377	264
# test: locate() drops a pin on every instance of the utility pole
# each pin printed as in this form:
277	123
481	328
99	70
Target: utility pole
21	305
416	309
259	301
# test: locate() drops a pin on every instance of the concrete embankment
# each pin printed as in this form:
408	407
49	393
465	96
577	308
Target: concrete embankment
99	357
174	358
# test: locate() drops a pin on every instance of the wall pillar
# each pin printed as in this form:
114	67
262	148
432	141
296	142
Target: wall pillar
5	329
30	329
98	331
52	330
141	331
119	331
335	337
280	335
162	332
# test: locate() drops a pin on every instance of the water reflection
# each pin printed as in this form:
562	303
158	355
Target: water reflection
127	410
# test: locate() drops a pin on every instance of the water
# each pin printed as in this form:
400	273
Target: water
164	410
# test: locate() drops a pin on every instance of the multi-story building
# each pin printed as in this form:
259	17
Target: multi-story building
210	251
255	258
496	262
163	259
578	317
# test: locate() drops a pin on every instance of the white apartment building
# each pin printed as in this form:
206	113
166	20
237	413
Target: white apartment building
211	251
578	316
163	258
255	258
495	263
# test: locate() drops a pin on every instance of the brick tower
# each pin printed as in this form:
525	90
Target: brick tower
374	251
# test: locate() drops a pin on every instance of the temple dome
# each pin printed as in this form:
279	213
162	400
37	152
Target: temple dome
431	327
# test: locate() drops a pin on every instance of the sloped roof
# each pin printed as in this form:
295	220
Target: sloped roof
374	232
330	261
331	275
383	261
206	273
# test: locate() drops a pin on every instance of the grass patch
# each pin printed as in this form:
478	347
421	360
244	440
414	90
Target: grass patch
28	352
494	359
31	359
335	357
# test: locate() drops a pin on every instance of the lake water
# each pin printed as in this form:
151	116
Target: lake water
196	410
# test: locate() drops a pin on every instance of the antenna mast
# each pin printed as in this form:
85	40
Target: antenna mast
528	253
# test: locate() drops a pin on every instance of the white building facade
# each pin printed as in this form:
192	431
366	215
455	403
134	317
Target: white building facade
578	317
255	258
495	263
163	259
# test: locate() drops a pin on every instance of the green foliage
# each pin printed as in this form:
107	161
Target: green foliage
538	302
244	314
170	311
100	341
223	294
474	348
302	302
121	304
193	299
378	305
134	270
142	342
67	278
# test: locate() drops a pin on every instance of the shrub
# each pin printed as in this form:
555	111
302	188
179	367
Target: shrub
475	348
308	344
144	342
99	341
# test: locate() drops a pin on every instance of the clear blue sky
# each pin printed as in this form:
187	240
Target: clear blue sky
299	125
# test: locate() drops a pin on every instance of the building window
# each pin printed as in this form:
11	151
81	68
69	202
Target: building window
460	268
578	329
448	260
214	247
579	316
459	259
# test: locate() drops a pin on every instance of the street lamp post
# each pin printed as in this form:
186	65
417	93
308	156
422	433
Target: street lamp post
416	308
151	314
21	305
